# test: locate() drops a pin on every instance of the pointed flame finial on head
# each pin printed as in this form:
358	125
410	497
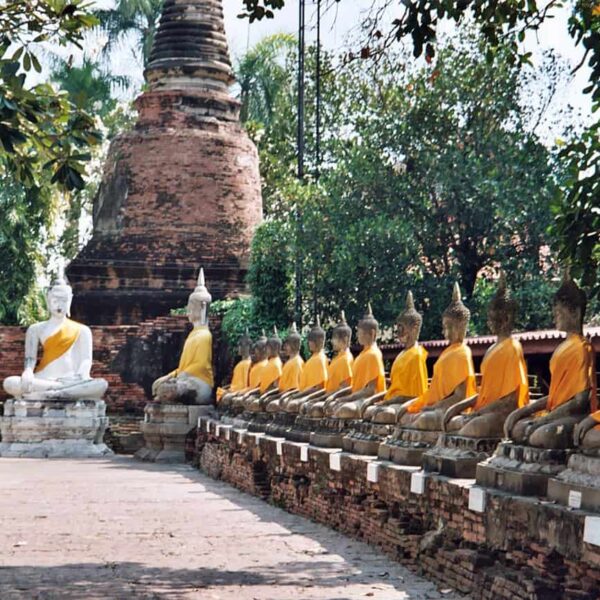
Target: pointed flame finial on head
201	293
457	310
343	316
456	297
293	328
409	315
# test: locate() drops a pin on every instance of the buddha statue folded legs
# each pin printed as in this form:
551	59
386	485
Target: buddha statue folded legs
184	394
313	378
473	428
368	378
239	379
420	420
338	384
56	408
541	433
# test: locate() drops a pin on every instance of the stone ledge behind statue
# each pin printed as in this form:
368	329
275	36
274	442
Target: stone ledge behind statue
56	428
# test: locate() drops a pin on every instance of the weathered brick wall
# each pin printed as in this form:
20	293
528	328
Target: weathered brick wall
517	549
129	357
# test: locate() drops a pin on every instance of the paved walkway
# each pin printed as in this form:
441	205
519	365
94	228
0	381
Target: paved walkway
119	529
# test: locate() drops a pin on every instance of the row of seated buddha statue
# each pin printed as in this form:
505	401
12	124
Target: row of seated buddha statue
449	424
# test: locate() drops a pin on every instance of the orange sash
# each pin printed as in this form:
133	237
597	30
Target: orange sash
453	367
270	374
314	373
55	345
570	370
409	374
340	371
291	374
503	371
368	367
256	372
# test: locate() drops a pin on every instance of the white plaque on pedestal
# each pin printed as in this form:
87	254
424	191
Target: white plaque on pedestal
373	471
304	453
335	461
279	447
477	499
591	531
574	499
417	482
227	432
207	426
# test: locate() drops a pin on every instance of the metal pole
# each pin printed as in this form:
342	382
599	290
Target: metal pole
318	92
318	138
300	143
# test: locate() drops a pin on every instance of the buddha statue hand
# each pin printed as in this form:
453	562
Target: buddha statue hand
522	413
582	428
27	379
457	409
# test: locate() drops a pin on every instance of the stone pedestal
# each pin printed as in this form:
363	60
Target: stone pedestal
522	470
165	428
578	485
56	428
364	437
302	429
408	446
458	455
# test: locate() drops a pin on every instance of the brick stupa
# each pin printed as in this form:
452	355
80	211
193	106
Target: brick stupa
182	189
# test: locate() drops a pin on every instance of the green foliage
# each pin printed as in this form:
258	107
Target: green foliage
503	26
25	213
40	130
270	272
429	175
137	18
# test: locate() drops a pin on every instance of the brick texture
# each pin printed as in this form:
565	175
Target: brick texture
517	549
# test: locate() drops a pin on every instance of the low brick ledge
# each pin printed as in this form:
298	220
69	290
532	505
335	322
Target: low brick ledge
517	548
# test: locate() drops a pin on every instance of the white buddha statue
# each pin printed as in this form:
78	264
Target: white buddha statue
64	368
192	382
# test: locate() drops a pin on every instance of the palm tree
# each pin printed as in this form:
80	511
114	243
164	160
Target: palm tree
262	76
137	18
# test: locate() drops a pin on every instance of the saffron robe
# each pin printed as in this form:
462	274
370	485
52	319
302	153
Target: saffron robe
196	358
271	373
239	379
60	342
314	373
570	370
368	367
503	371
453	367
339	371
256	372
409	374
291	374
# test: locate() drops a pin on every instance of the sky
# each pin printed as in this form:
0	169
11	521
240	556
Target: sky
341	31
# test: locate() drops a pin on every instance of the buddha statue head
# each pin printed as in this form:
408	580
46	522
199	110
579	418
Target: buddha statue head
502	310
367	328
568	305
259	349
198	303
292	343
409	323
316	337
245	345
59	298
455	319
341	335
274	344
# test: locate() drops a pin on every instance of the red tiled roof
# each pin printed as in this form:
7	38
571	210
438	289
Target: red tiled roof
527	336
